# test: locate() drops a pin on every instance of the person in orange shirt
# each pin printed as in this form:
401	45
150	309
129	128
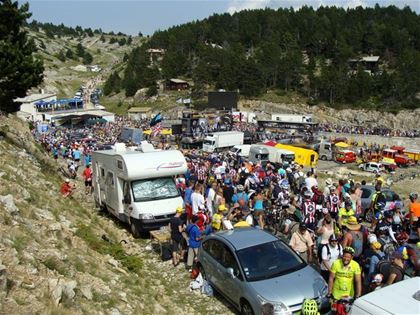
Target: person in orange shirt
415	211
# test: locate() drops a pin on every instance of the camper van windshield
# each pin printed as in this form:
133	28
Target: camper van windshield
289	157
153	189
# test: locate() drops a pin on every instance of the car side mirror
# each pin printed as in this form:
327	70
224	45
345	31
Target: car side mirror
231	272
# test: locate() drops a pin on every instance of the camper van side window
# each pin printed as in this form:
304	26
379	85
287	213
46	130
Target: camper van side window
119	164
102	172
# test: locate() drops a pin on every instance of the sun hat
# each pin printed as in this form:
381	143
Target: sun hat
222	208
328	181
240	187
376	245
67	180
352	223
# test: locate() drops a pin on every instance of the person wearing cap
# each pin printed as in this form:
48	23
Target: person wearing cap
345	278
329	253
328	187
301	242
308	209
241	196
396	270
353	237
345	212
217	219
372	257
66	189
176	226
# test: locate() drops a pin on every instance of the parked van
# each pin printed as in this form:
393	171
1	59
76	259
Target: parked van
241	150
303	156
345	156
399	298
138	187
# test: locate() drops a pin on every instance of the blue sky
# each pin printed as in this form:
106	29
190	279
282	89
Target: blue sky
134	16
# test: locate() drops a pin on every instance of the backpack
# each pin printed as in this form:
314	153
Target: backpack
340	250
357	242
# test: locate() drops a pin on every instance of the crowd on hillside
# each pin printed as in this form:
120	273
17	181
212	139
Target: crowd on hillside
363	130
320	220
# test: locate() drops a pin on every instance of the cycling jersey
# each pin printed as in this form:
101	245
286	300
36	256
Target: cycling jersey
345	214
308	212
344	278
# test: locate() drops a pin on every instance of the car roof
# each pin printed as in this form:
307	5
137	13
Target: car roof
397	298
245	237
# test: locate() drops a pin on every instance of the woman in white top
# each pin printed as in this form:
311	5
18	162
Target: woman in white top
330	253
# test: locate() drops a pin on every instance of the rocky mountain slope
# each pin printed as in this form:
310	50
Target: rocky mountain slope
405	119
60	256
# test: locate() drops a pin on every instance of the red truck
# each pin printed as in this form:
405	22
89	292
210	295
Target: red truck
400	159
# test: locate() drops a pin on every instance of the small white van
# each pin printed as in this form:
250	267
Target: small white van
401	298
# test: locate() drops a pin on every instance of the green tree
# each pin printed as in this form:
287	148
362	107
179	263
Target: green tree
152	90
61	56
87	58
19	69
80	50
69	54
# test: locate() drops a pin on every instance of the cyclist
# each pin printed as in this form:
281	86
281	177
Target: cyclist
345	277
309	307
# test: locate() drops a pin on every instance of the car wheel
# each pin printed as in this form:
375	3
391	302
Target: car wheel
246	308
135	230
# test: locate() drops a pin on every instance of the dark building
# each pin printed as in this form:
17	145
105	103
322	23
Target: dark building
177	85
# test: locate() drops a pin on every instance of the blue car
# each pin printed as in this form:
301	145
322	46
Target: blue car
259	273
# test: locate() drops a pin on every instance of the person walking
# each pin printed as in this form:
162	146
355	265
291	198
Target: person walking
330	252
176	226
301	242
194	241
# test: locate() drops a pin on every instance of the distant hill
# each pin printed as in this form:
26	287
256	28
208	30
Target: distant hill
361	58
67	51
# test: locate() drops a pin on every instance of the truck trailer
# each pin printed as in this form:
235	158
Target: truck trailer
222	140
138	187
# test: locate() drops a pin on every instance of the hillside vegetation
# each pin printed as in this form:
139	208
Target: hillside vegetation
66	51
306	52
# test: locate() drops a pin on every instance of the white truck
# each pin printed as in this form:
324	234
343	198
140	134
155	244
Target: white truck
241	150
276	155
138	187
292	118
222	140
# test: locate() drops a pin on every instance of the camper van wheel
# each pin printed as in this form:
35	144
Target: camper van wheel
323	157
135	230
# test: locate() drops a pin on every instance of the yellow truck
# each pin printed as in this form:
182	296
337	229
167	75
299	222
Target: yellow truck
305	157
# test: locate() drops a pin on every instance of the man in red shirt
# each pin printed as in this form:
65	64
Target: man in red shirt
87	175
66	189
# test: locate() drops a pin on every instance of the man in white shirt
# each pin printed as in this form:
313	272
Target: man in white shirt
197	198
211	195
310	181
330	253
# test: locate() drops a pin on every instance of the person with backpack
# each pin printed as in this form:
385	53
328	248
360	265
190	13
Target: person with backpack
354	237
194	241
301	242
377	204
330	252
240	197
372	257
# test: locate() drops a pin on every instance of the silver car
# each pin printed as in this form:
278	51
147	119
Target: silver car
259	273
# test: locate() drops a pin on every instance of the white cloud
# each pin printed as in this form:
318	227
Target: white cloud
239	5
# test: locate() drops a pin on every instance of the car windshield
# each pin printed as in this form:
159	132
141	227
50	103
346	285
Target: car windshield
154	189
268	260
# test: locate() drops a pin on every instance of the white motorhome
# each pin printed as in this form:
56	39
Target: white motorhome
241	150
138	187
222	140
